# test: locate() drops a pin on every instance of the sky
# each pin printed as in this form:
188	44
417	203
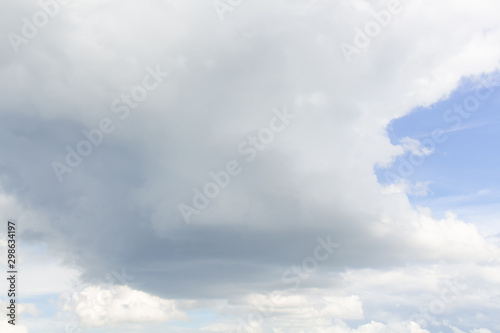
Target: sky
277	166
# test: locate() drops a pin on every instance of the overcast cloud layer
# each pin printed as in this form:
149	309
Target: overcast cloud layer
212	86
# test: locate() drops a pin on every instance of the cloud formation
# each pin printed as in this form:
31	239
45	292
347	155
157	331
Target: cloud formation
119	206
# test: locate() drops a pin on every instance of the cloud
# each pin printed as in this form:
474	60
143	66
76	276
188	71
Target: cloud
119	207
7	328
98	306
21	311
415	147
420	189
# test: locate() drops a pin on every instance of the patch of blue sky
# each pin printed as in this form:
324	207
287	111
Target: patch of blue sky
463	172
46	305
199	318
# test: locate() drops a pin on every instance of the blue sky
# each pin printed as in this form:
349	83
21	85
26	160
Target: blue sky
463	171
